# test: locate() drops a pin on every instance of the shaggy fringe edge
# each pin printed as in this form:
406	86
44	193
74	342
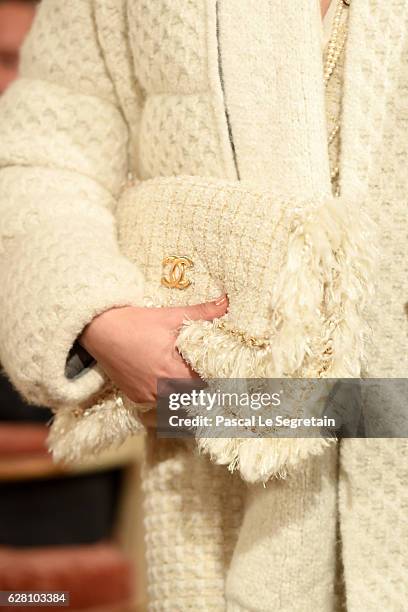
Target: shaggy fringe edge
329	262
76	435
261	459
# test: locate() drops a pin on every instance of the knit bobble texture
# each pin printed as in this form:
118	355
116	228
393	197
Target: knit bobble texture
64	157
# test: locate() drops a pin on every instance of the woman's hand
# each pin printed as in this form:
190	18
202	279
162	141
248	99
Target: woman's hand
136	346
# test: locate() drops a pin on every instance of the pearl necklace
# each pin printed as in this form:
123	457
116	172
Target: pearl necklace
337	40
334	50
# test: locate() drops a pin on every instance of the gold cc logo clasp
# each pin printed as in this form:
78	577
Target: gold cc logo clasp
174	272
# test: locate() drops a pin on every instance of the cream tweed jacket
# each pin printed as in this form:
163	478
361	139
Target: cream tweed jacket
211	89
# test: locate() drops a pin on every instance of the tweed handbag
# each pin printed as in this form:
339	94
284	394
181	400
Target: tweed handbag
297	278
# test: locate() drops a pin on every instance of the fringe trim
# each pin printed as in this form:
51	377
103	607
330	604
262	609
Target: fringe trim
80	433
260	459
77	434
317	328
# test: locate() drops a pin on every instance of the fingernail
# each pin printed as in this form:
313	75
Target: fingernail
221	300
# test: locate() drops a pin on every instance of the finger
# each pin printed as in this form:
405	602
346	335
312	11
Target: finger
205	312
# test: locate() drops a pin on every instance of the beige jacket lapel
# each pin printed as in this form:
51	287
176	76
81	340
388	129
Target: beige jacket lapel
271	65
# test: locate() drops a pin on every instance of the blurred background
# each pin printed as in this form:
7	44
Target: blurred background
63	529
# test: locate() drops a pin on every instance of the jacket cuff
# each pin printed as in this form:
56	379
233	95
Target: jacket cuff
60	268
70	375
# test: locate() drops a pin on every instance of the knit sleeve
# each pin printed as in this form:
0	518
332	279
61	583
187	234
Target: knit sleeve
63	161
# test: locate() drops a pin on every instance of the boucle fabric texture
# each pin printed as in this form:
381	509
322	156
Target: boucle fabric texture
282	531
193	511
64	157
373	501
212	89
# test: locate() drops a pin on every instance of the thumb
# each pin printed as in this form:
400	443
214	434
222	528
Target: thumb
206	312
